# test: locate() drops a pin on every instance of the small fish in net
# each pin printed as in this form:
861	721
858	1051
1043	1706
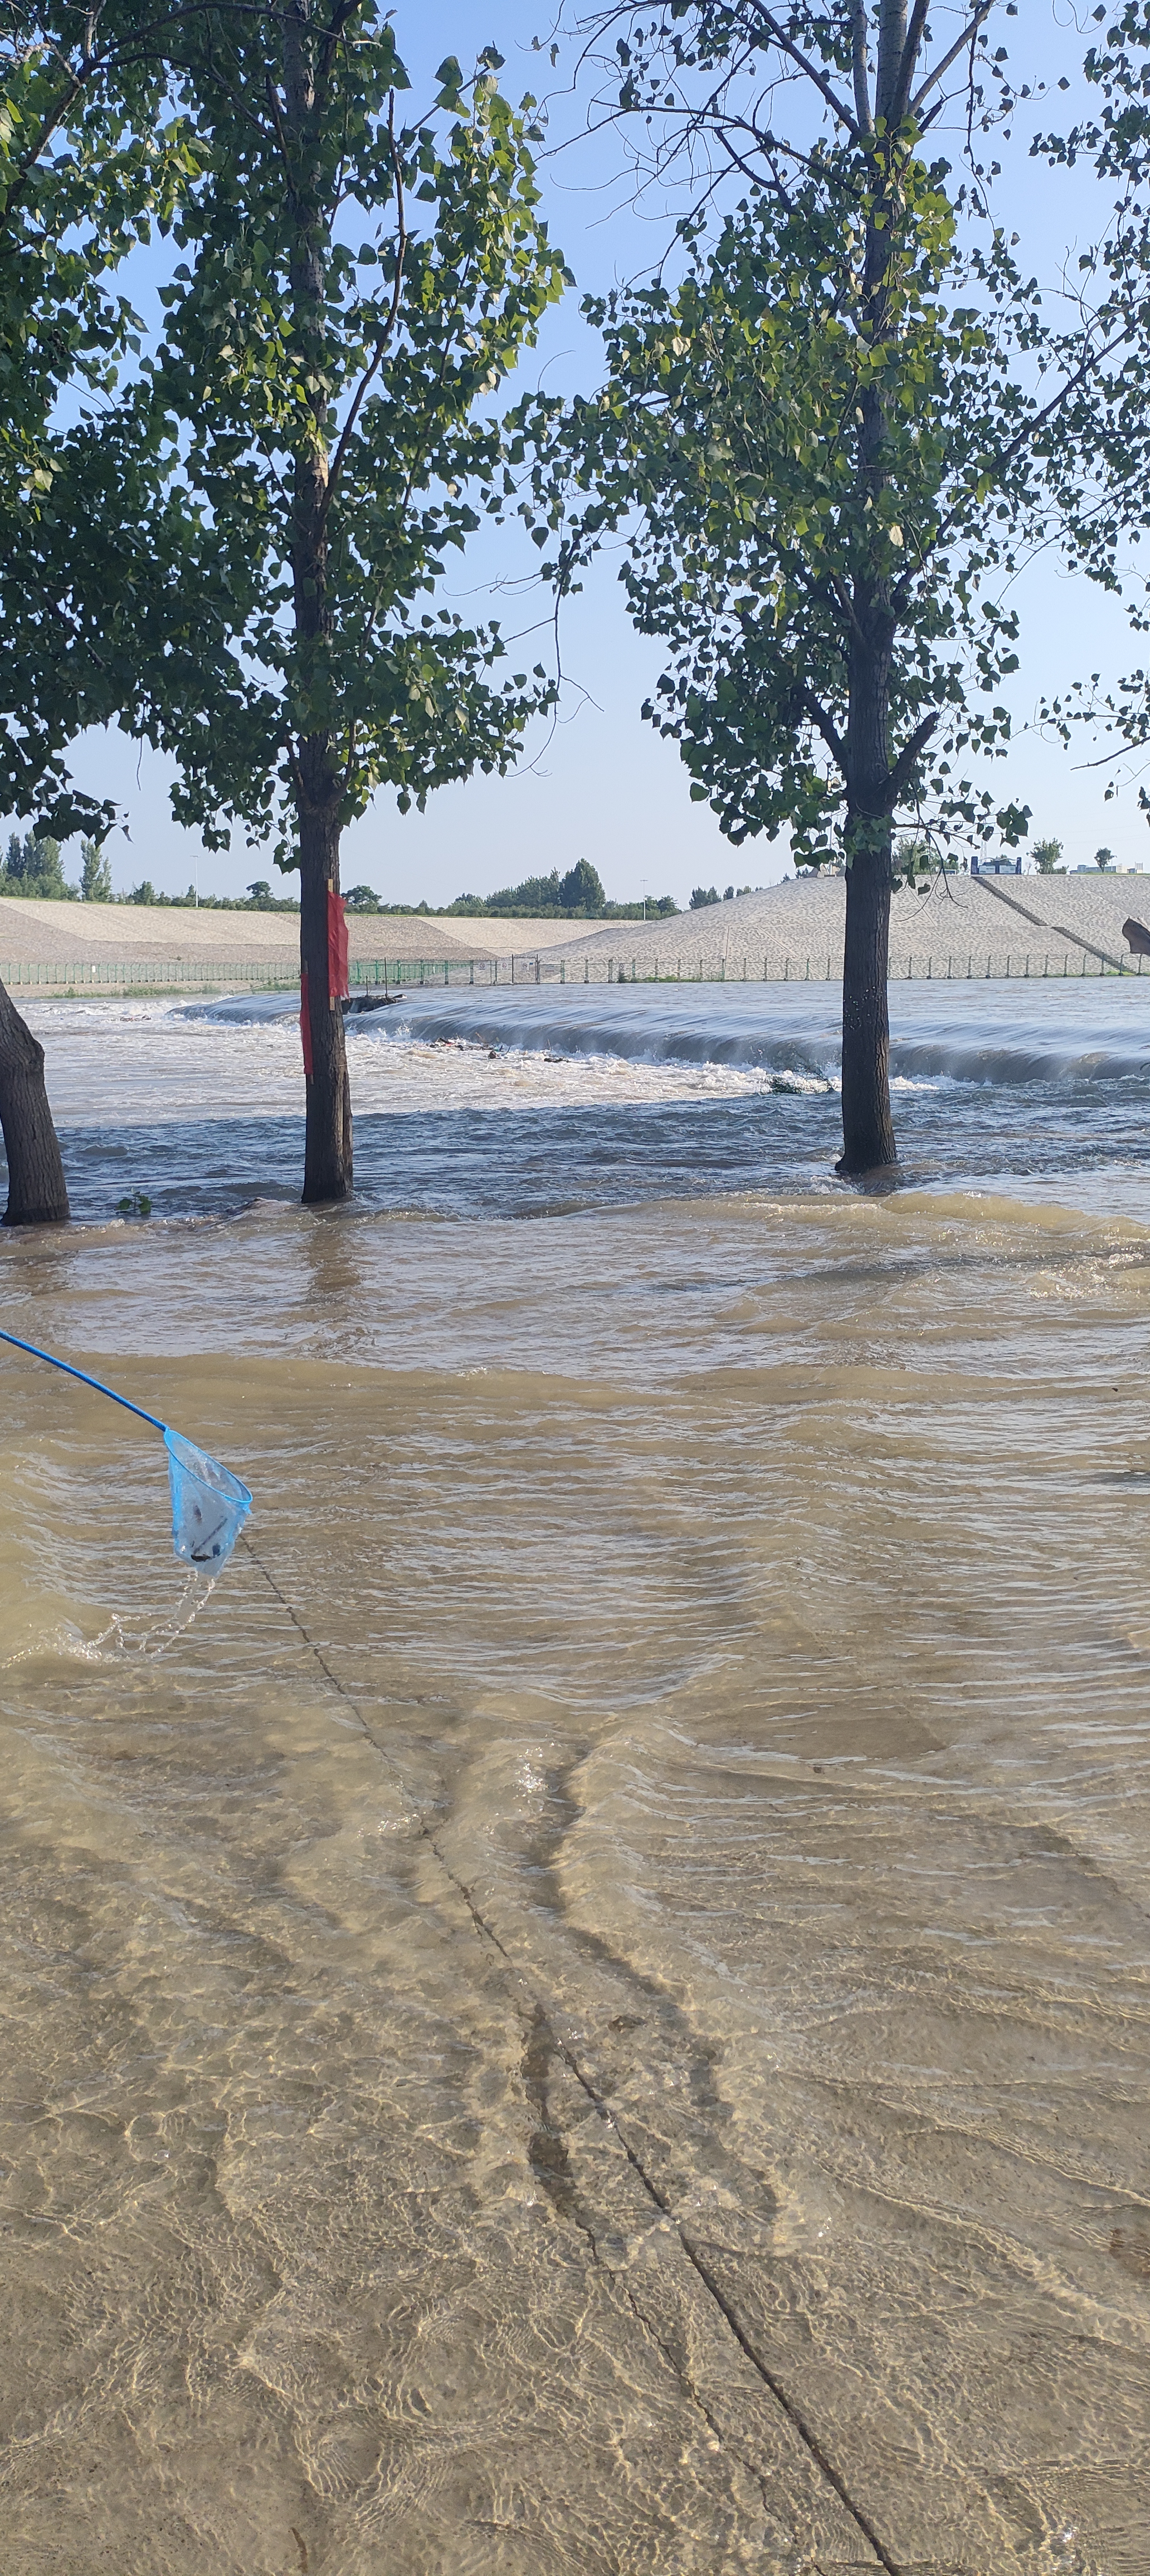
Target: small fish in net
209	1504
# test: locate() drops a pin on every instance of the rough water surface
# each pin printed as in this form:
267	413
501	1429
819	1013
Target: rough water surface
588	2013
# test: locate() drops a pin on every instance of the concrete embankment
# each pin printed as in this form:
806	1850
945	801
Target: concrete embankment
109	946
957	927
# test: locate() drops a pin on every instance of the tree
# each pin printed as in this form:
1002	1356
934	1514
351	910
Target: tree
1048	857
87	158
320	406
90	159
829	436
581	890
702	896
1104	859
37	1191
32	868
95	873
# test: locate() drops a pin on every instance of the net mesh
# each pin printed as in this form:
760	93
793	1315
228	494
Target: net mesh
209	1504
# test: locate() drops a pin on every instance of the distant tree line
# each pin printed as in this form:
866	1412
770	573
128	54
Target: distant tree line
34	868
578	896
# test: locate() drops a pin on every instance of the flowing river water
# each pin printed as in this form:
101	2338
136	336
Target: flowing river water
587	2012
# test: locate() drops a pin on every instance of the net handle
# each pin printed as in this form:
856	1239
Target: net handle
84	1379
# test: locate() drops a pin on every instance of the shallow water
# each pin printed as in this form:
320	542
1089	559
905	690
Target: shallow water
589	2012
523	1104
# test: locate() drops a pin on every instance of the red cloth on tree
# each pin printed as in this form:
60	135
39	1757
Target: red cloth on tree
337	983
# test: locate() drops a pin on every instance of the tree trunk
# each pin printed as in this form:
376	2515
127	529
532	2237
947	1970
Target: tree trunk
327	1145
37	1194
868	1129
327	1148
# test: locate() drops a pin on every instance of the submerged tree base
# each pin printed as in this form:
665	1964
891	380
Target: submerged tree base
37	1191
880	1173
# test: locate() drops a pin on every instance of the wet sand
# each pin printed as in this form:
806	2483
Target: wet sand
589	2014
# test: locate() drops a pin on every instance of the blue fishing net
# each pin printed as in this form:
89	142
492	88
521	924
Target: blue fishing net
209	1504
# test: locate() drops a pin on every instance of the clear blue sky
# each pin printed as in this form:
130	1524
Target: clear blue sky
603	786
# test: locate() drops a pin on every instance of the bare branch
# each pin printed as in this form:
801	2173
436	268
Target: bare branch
795	54
959	46
910	54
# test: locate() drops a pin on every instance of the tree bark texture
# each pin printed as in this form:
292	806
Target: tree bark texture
327	1150
868	1128
37	1193
327	1145
871	776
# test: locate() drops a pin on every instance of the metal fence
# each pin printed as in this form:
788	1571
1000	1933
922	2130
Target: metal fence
143	975
372	974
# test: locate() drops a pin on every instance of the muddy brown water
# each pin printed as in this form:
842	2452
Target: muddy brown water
588	2013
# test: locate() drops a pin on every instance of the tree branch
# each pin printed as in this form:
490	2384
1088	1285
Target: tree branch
941	69
824	724
910	54
795	54
904	768
401	243
1018	442
858	66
